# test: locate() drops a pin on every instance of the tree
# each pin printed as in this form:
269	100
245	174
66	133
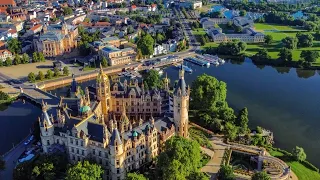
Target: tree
152	79
268	39
243	13
49	74
309	56
304	39
262	55
226	173
67	11
105	19
160	38
66	71
17	60
35	57
145	44
242	120
238	29
4	96
231	131
56	72
180	158
259	130
86	20
2	162
285	55
84	171
41	57
260	176
130	29
14	46
299	154
290	42
208	93
25	59
40	76
197	176
310	26
135	176
104	62
32	77
8	62
1	63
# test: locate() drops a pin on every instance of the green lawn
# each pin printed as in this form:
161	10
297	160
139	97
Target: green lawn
299	169
268	27
199	31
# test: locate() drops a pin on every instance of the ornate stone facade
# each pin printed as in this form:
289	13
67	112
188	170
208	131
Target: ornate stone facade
56	40
119	125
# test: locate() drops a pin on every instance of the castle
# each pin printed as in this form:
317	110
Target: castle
120	126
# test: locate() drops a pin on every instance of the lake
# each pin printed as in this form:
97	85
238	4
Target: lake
15	123
284	100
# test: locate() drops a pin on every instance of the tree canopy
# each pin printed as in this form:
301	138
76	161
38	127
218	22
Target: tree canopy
14	46
304	39
309	56
299	154
152	79
226	173
290	42
145	44
84	171
285	54
180	158
231	48
135	176
260	176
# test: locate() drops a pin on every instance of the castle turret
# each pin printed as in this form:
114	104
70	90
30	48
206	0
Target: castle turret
166	83
103	92
46	128
117	158
181	106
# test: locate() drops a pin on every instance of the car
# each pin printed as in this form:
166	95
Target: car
27	142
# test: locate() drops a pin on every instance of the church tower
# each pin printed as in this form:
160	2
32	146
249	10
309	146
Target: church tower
181	106
103	92
46	128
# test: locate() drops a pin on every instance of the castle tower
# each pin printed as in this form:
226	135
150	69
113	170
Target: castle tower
124	120
117	158
181	106
46	128
166	83
73	88
103	92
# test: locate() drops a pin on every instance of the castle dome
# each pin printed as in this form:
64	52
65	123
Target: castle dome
135	134
85	109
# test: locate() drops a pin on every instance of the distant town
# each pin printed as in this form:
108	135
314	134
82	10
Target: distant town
133	122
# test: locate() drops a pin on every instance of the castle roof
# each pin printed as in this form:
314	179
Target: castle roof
181	85
115	137
96	132
51	36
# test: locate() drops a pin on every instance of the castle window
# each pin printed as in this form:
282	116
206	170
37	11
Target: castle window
93	151
117	103
155	104
72	149
57	141
118	170
77	151
77	142
118	162
81	143
132	103
83	152
106	154
48	142
99	153
132	109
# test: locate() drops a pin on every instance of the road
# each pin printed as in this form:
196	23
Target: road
11	159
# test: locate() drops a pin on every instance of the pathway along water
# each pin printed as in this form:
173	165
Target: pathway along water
283	100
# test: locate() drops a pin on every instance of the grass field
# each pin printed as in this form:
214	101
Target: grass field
278	32
299	169
198	31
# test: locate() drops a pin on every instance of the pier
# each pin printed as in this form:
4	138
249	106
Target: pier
197	61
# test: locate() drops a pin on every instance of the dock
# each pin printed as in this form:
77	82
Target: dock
197	61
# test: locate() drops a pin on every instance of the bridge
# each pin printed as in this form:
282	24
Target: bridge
37	95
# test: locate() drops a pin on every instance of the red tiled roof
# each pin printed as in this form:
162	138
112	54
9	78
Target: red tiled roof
2	43
5	50
36	27
102	24
12	31
153	5
133	6
7	2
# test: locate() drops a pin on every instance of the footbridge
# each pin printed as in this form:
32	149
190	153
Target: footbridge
37	95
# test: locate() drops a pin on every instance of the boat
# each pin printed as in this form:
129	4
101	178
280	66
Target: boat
197	61
185	68
221	61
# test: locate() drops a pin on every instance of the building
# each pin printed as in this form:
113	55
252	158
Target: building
159	49
121	126
118	56
4	54
7	3
248	34
56	39
35	29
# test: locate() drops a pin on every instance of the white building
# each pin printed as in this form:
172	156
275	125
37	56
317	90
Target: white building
159	49
4	54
